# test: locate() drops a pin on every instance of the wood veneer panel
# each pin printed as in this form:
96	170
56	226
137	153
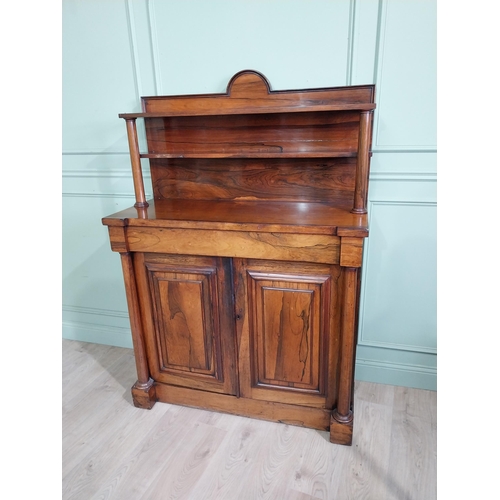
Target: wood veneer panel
243	215
306	248
184	318
244	135
288	342
286	312
295	180
286	331
187	320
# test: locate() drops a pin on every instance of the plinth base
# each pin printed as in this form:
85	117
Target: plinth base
341	433
144	395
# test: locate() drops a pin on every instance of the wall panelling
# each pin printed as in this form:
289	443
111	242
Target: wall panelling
114	52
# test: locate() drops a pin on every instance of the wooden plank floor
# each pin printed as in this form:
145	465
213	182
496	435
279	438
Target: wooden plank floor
111	450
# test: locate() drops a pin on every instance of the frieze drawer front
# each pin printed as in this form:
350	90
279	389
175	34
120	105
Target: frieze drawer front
282	246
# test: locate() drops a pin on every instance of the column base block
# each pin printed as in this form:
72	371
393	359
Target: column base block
144	395
341	433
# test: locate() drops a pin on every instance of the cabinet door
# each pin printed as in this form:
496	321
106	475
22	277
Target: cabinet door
188	320
288	331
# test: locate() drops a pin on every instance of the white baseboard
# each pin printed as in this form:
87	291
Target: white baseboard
87	332
419	377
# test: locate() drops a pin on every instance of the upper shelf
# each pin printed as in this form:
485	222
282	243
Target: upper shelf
249	92
295	154
238	107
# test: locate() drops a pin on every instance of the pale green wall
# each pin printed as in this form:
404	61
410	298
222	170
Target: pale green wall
116	51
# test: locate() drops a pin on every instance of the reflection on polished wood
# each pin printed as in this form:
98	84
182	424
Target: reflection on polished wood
296	217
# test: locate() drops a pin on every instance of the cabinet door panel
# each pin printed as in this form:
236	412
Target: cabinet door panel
188	320
287	332
184	319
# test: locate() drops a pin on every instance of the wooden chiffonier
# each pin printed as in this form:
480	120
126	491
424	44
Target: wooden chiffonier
242	273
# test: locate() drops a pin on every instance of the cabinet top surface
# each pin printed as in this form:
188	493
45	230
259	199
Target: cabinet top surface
258	216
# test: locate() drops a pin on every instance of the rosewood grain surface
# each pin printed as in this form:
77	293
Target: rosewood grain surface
286	313
143	391
262	216
187	320
363	166
135	159
244	135
184	318
272	179
278	246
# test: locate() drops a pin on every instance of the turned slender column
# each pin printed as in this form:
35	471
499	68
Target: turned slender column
363	165
135	159
143	389
343	413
